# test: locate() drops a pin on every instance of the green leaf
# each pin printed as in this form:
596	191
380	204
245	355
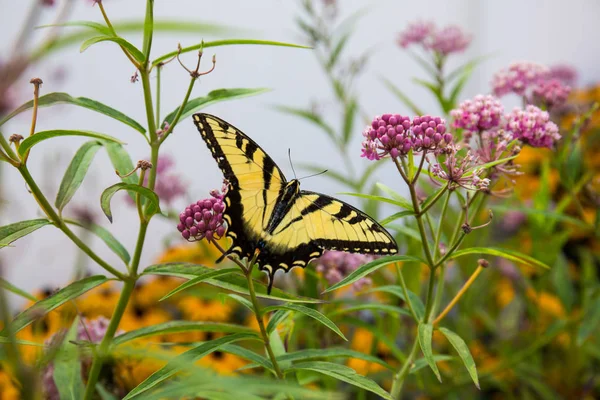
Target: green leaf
64	98
368	268
309	312
75	173
215	96
399	203
414	300
143	191
6	285
178	327
563	283
131	49
488	165
234	283
311	117
121	161
67	367
226	42
348	122
48	304
44	135
106	237
395	195
463	351
406	231
148	29
468	65
590	322
337	50
344	374
242	300
386	308
248	355
277	317
402	96
100	28
190	356
396	216
504	253
12	232
434	89
425	336
104	393
463	78
199	279
422	362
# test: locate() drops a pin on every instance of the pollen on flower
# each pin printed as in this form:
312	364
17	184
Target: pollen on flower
203	219
532	126
396	135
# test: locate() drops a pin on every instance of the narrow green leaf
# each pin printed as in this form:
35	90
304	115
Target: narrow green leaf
315	354
131	49
12	232
348	122
45	135
337	50
468	65
463	78
226	42
242	300
190	356
434	89
504	253
75	173
399	203
6	285
64	98
590	322
248	355
311	117
199	279
422	362
425	336
104	393
234	283
100	28
148	29
67	367
178	327
414	300
489	165
406	231
563	283
368	268
106	237
19	341
121	161
386	308
395	195
48	304
344	374
396	216
215	96
463	351
309	312
143	191
402	96
278	317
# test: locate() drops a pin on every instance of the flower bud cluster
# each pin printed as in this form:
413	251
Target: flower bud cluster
336	265
450	39
532	126
203	219
396	135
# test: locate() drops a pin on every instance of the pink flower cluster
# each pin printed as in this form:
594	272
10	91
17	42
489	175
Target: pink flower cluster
564	73
481	113
168	185
396	135
450	39
203	219
551	92
518	77
335	265
532	126
459	171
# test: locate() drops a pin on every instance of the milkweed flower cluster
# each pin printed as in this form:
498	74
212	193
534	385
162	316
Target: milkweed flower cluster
532	126
168	185
535	82
564	73
450	39
396	135
460	171
336	265
203	219
479	114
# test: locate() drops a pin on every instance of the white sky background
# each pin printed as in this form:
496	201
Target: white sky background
544	31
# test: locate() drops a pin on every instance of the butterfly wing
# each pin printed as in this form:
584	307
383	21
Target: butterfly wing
255	181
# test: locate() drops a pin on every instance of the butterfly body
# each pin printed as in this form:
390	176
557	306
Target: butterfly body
266	213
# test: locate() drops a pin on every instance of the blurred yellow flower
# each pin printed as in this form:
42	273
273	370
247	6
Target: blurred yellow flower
548	304
131	369
8	388
148	293
136	317
363	341
223	363
39	331
197	253
100	301
504	292
197	309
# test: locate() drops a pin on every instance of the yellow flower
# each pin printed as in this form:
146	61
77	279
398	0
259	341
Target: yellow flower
223	363
136	317
100	301
39	331
197	253
362	341
137	362
8	388
197	309
548	304
505	292
149	293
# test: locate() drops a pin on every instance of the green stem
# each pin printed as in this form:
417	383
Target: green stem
60	224
434	200
403	372
157	112
135	261
179	110
261	324
405	291
102	351
438	234
148	31
145	78
7	149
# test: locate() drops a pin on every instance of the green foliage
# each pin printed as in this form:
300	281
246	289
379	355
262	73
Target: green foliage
110	191
12	232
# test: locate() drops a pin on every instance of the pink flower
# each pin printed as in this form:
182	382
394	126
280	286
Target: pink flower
450	39
481	113
203	219
551	93
415	33
518	78
460	171
567	74
336	265
532	126
396	135
168	185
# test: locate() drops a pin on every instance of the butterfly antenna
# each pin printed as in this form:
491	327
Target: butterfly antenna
291	164
317	174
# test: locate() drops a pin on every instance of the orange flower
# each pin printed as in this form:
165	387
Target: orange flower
197	309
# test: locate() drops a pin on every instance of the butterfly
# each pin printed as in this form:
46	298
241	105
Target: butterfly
267	213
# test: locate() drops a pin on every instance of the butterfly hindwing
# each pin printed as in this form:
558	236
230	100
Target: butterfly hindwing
288	226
